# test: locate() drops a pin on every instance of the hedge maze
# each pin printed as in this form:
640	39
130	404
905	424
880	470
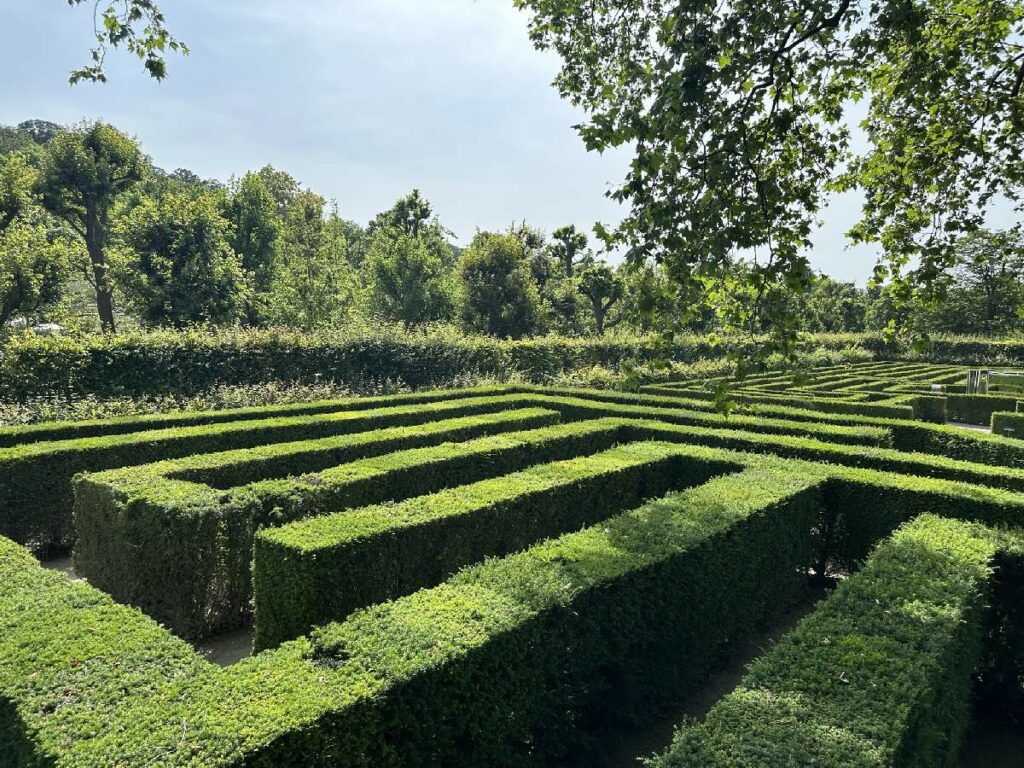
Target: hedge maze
498	576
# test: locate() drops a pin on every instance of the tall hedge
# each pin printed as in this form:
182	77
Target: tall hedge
365	356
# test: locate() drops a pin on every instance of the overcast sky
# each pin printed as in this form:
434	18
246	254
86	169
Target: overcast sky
361	100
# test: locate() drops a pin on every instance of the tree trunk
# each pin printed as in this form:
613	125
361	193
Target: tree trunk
95	242
599	312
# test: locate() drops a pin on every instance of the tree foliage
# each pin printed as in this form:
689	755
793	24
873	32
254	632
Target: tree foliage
35	255
740	117
177	266
313	286
497	294
138	26
407	278
84	172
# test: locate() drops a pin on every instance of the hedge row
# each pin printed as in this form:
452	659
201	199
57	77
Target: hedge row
175	537
802	402
160	362
35	477
511	661
181	550
879	675
72	662
904	435
1008	424
495	667
72	430
978	409
319	570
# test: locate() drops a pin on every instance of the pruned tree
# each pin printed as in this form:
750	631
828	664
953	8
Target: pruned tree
84	172
603	288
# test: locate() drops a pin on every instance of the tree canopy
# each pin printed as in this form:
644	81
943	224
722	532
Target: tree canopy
740	118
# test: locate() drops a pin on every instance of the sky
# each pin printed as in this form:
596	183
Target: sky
361	100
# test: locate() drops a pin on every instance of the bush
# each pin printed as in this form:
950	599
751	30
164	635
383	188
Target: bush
879	675
37	470
39	461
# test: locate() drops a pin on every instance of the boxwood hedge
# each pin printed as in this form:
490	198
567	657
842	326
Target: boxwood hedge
321	569
175	537
879	675
180	550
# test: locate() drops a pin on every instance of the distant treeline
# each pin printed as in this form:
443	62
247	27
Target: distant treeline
93	234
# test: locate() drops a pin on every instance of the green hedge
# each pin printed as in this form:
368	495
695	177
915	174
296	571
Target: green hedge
175	537
321	569
511	661
1008	424
978	409
72	662
181	551
361	357
879	675
35	478
72	430
824	405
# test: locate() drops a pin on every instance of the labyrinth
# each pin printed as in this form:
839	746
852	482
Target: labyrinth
498	576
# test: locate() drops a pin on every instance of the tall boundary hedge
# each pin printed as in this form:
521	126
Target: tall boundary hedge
187	362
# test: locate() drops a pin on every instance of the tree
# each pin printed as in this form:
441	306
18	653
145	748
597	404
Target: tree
985	289
497	294
177	266
834	307
739	118
413	215
255	236
314	285
282	187
136	25
568	247
603	288
407	278
35	262
84	172
35	256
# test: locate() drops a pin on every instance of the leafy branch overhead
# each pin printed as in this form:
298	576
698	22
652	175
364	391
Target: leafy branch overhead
740	117
135	25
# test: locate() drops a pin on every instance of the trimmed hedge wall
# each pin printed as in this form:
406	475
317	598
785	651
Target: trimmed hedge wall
319	570
72	662
978	409
879	675
182	551
175	538
184	362
512	661
35	478
1008	424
